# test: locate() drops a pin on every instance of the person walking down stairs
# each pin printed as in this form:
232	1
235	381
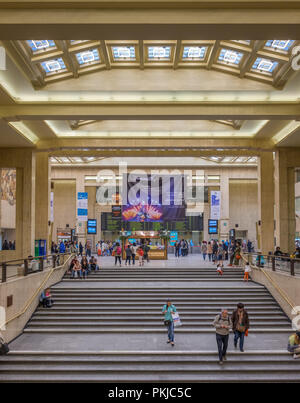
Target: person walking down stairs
223	324
247	270
240	325
167	310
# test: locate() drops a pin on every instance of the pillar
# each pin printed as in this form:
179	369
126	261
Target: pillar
285	201
42	197
80	225
23	160
224	213
266	202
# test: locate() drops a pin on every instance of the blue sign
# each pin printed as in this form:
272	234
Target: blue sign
82	206
92	223
212	230
91	230
173	237
212	223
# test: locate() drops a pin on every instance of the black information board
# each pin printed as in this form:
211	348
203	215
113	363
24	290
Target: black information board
189	223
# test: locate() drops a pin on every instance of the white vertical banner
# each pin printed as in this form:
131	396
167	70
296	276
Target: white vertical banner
82	206
51	207
215	204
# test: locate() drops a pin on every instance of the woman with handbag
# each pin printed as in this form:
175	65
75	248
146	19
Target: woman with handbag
240	325
167	310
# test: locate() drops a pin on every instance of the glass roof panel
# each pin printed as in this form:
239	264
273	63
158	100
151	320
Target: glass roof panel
159	52
194	52
229	56
264	65
280	45
88	56
54	65
123	52
37	45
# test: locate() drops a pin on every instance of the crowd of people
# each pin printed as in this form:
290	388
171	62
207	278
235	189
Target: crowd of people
9	245
183	247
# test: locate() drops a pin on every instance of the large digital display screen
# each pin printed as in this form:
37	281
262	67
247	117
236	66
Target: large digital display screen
142	213
153	198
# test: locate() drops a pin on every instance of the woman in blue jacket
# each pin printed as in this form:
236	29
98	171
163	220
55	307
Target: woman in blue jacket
167	310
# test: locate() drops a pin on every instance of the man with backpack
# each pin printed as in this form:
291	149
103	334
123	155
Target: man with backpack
223	324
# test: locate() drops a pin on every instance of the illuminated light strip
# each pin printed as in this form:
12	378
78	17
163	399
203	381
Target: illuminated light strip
24	131
167	133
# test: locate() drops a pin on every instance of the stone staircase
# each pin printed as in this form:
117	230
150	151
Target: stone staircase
109	328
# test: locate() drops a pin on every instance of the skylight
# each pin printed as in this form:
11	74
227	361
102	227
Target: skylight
159	52
194	52
37	45
53	66
123	52
230	56
279	44
88	56
264	65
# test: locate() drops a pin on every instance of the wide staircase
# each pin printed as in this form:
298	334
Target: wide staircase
109	328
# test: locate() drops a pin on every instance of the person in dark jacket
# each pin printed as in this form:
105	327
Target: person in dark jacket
128	252
240	325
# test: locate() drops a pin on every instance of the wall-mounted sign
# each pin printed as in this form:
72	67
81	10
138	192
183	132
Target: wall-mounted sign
82	206
215	204
92	227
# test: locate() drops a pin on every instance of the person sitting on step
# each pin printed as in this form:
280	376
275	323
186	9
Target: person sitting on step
46	298
294	344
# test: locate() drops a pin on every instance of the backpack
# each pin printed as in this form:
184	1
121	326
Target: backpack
119	250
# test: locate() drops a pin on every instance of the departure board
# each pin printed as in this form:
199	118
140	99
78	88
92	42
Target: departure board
189	223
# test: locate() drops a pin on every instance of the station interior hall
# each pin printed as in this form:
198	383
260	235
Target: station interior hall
200	99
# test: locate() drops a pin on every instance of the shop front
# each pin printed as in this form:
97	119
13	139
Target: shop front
157	243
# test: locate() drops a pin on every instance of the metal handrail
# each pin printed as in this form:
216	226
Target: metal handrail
275	285
19	262
22	311
275	259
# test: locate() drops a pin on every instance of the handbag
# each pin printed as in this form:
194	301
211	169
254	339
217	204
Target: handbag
3	347
167	322
238	257
176	319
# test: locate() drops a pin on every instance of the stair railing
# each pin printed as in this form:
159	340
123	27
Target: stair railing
275	285
36	293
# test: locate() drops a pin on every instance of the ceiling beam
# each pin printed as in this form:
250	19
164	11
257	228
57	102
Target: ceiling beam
192	20
153	111
138	147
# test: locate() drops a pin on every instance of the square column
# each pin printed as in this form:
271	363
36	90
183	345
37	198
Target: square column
285	201
23	160
266	202
42	197
224	219
81	226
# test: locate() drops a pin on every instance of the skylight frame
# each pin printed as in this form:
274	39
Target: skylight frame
260	60
55	72
122	60
239	56
98	58
43	50
285	50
